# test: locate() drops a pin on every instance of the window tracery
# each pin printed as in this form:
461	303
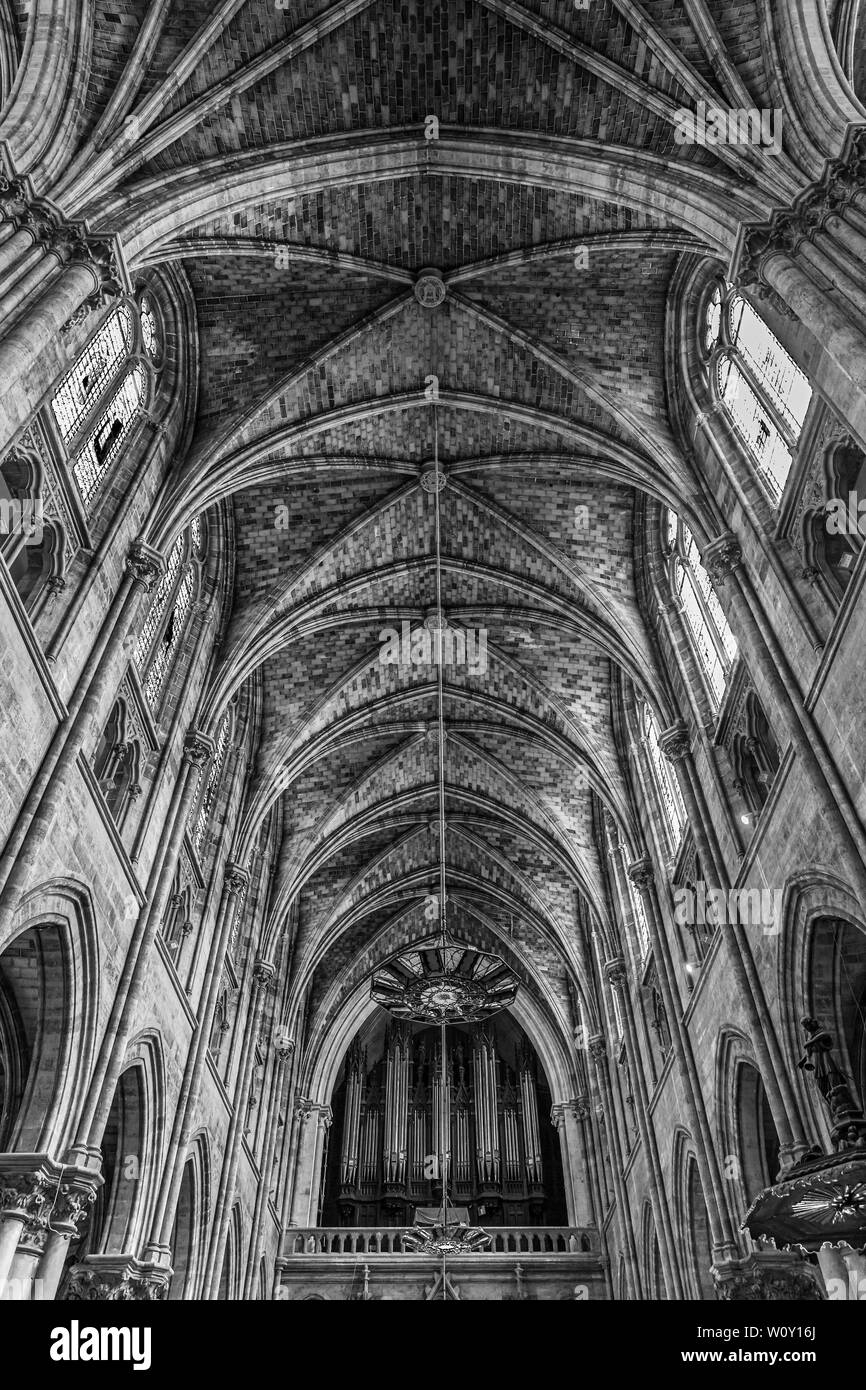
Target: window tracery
212	784
713	640
763	390
669	792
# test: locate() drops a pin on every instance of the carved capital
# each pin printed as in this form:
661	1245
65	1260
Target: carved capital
616	974
640	871
284	1046
674	743
578	1108
757	1285
26	1195
598	1047
86	1284
72	1207
263	972
721	558
197	747
47	1205
145	565
236	878
310	1109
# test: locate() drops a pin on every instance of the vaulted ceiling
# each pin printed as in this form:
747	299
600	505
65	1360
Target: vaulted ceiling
279	157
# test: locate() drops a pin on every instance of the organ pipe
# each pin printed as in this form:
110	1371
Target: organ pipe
355	1072
480	1121
441	1115
531	1136
486	1117
396	1105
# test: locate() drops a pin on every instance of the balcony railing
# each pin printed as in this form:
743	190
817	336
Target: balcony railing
388	1240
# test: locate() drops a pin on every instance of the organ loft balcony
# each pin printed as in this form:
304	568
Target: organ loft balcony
442	1176
365	1263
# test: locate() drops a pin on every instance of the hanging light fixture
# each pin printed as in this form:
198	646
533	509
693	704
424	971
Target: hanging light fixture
448	983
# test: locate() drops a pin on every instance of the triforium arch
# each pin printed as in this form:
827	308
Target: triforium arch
430	522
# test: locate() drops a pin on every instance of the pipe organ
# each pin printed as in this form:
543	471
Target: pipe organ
400	1128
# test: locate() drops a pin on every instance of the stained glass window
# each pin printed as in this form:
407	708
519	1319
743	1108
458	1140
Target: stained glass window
713	639
160	599
149	329
640	922
763	390
669	792
163	657
102	445
212	783
83	385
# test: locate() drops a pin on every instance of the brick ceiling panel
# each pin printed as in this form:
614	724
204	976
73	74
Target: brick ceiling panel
401	60
258	323
418	221
115	29
326	390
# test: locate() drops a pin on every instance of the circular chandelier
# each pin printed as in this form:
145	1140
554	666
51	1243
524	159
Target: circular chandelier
444	983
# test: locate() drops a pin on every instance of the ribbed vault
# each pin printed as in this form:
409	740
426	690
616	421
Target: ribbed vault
283	161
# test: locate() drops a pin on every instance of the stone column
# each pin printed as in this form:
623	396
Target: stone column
283	1051
724	1243
616	974
43	1205
56	275
598	1051
674	744
568	1118
312	1119
723	560
198	748
158	1248
807	262
98	678
262	974
75	1197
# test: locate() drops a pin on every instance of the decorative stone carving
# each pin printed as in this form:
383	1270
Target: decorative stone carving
616	973
69	242
236	878
641	874
766	1285
674	743
263	973
721	558
843	181
47	1205
145	566
197	748
90	1285
433	480
430	289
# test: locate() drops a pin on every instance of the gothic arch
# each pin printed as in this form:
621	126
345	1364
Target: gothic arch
132	1144
653	1276
192	1215
692	1219
749	1144
50	974
229	1281
824	925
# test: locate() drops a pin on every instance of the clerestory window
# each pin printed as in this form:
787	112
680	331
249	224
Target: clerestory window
763	390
